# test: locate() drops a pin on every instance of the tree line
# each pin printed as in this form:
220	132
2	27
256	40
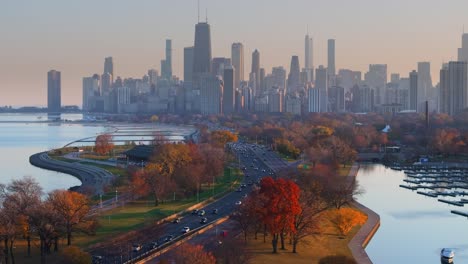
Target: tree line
26	213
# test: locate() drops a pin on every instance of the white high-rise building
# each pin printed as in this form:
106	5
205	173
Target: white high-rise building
90	88
309	58
237	59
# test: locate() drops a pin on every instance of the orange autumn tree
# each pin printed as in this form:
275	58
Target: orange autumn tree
72	209
193	254
103	144
219	138
278	208
345	219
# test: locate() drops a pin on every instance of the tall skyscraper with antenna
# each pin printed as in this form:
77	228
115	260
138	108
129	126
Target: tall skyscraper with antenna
202	49
308	57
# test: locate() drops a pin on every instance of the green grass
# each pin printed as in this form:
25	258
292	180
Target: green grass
142	212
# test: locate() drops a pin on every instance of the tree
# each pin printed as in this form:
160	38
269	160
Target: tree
339	191
345	219
151	180
72	208
192	254
74	255
171	156
220	138
103	144
280	205
154	118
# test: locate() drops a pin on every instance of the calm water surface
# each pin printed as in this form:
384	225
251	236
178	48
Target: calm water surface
413	228
18	141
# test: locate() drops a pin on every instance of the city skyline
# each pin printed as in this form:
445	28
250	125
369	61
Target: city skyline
66	47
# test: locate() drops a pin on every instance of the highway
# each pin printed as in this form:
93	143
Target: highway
254	160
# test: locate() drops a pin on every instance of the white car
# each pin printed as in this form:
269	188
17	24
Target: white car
186	229
238	203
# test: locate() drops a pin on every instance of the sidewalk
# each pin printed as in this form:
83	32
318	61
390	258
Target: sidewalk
359	242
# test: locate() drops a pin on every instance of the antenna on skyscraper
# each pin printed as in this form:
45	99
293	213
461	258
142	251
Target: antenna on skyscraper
198	11
307	29
206	10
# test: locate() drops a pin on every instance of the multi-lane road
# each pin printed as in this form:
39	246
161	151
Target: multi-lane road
255	161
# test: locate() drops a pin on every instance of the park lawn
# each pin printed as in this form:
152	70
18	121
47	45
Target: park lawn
137	214
317	247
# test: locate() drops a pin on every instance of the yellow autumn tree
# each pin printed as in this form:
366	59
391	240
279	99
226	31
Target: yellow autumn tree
345	219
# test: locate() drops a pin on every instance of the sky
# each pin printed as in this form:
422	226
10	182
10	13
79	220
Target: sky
74	37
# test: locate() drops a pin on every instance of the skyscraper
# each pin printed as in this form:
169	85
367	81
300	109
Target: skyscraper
166	65
279	77
219	64
237	59
376	78
54	104
188	64
109	66
321	84
202	49
308	58
463	51
90	88
211	94
294	78
413	91
256	70
444	98
457	87
106	84
424	84
229	90
331	57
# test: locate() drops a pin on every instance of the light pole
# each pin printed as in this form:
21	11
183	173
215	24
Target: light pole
116	196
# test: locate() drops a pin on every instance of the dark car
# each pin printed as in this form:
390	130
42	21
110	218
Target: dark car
97	259
168	238
176	221
194	212
154	245
215	211
204	220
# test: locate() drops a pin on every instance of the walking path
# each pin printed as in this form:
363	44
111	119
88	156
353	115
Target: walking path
92	178
359	242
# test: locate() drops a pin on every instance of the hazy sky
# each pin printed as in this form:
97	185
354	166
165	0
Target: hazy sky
75	36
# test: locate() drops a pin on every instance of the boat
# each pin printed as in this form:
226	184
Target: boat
447	255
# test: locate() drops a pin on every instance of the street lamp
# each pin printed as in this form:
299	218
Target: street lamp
116	196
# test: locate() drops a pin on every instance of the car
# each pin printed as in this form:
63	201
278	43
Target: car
204	220
97	259
243	185
136	247
154	245
215	211
239	189
238	203
194	212
245	196
176	221
169	238
201	213
186	229
263	170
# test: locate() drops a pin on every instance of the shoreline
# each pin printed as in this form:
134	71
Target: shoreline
93	179
359	242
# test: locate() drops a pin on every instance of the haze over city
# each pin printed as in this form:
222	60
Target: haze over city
74	37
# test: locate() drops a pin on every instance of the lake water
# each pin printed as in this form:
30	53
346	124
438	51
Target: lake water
414	227
22	135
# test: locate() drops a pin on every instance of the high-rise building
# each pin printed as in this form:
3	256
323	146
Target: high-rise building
188	64
348	78
275	101
229	90
202	49
294	78
309	58
166	64
424	84
376	79
394	77
211	94
237	58
463	51
54	88
256	71
90	89
109	66
331	57
106	84
413	91
153	76
336	99
279	77
454	87
219	64
444	97
314	100
321	84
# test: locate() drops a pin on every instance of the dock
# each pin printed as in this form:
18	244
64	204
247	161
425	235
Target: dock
408	187
434	195
459	213
451	202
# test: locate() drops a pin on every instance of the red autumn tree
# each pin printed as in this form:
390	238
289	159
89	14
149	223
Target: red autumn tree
103	144
280	205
